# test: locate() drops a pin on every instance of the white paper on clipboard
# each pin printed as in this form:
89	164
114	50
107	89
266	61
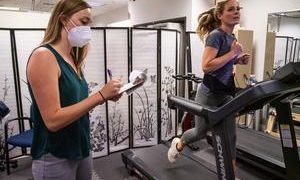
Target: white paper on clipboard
136	79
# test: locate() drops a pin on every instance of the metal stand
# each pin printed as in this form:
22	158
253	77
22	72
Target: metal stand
219	135
288	139
222	151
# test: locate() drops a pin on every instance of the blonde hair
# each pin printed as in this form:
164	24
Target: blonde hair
53	32
208	20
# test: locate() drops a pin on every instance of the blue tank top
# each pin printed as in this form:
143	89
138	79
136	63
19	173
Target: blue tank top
73	141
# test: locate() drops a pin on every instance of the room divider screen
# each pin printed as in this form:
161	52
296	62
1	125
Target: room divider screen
8	85
25	41
169	59
145	100
117	60
283	51
195	49
7	78
296	50
141	119
94	72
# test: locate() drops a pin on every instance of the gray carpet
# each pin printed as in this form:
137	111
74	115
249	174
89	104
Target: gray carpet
105	168
112	168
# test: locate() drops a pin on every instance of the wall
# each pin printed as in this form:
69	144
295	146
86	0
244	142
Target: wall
290	27
11	19
255	17
146	11
124	23
287	26
199	6
116	15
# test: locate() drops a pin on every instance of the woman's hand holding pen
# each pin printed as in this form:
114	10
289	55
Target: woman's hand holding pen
110	91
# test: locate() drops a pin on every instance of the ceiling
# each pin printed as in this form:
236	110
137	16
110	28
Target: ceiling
98	6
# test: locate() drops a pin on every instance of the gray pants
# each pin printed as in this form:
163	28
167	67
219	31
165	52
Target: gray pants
49	167
206	97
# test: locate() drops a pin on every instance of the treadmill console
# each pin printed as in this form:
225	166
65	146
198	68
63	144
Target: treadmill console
289	73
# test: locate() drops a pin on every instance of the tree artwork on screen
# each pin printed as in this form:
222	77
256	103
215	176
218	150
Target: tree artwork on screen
168	87
145	127
118	132
98	131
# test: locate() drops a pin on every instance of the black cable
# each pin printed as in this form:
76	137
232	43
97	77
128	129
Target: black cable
189	77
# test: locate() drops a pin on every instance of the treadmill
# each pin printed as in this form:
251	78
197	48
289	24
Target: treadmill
268	157
152	163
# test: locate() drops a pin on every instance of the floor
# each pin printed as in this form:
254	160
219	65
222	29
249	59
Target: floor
111	167
106	168
244	170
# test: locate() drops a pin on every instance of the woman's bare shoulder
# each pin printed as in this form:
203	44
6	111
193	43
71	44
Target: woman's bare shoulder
41	52
42	59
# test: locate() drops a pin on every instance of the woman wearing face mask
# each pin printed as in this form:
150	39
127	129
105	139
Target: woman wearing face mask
60	102
221	52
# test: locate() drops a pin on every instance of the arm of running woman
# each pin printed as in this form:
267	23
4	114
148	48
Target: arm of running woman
243	59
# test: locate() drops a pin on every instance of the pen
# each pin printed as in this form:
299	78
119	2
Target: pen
109	74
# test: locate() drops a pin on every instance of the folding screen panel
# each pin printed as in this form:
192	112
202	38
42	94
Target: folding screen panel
26	41
168	84
196	49
144	100
118	112
296	51
283	51
7	82
194	60
110	123
7	86
179	57
94	71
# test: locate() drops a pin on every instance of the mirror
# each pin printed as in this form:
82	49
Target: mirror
283	40
282	47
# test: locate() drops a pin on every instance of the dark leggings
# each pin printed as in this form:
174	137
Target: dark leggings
206	97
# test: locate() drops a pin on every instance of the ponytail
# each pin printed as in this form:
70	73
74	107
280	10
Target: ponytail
206	23
208	20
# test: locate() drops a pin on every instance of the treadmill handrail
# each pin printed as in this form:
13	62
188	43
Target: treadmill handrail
189	106
262	93
285	82
267	91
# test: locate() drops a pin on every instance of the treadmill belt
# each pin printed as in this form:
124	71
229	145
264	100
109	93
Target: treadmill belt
158	166
260	145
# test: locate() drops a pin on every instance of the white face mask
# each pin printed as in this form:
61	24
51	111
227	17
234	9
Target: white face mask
79	35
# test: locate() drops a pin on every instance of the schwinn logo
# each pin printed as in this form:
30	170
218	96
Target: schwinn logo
221	157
